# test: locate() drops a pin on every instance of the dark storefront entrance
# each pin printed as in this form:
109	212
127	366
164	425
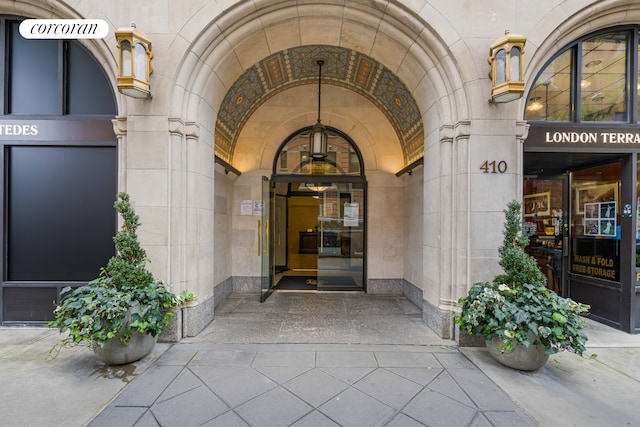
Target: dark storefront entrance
580	212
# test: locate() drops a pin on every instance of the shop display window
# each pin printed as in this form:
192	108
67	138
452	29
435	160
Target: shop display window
595	222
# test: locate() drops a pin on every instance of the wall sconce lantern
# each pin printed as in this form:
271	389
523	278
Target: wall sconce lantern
318	136
506	57
134	62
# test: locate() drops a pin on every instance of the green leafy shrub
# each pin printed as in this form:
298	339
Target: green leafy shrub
124	298
517	304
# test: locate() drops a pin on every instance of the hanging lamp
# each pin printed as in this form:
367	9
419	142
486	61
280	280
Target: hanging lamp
318	136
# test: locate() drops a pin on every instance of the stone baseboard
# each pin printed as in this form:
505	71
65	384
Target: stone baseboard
173	331
222	291
197	317
385	286
247	283
439	321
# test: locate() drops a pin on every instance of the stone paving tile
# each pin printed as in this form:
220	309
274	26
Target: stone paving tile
447	386
481	421
401	420
243	330
176	356
146	389
281	374
284	358
118	415
484	392
228	419
191	408
315	419
183	383
390	329
507	418
406	359
315	387
277	407
317	330
234	385
148	420
349	375
230	357
422	376
388	388
372	306
346	359
436	410
454	360
354	408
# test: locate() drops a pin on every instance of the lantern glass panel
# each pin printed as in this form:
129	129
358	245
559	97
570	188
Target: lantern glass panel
501	67
514	65
141	63
125	56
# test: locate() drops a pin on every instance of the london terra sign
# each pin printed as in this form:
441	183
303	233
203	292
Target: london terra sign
583	137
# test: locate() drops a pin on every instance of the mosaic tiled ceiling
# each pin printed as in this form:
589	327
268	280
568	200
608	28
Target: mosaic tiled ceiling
342	67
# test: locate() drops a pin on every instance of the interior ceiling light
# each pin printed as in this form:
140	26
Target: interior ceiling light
592	63
535	104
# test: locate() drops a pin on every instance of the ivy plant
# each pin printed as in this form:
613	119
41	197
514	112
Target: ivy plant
517	305
124	298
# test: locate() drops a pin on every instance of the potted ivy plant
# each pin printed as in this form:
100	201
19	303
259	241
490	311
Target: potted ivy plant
120	314
521	320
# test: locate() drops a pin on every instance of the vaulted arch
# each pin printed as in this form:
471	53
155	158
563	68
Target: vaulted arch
344	67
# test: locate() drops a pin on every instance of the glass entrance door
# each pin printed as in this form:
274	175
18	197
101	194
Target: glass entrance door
340	252
265	243
545	223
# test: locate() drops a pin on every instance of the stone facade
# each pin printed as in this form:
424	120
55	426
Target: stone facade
437	229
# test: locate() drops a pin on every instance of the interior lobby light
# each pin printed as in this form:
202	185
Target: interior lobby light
134	62
535	104
318	136
506	57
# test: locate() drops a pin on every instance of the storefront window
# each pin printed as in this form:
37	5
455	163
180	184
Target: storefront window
588	82
550	99
603	81
595	222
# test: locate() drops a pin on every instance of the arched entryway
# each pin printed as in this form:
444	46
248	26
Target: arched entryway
314	217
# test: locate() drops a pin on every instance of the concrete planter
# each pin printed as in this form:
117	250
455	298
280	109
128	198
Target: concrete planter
115	352
521	357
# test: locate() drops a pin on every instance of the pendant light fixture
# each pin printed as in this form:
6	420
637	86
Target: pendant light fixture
318	136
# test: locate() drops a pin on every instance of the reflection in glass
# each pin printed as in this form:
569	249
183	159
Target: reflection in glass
550	98
603	79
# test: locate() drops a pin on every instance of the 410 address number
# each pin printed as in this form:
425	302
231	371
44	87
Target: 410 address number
494	166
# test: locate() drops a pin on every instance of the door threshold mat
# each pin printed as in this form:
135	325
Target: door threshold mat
337	283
